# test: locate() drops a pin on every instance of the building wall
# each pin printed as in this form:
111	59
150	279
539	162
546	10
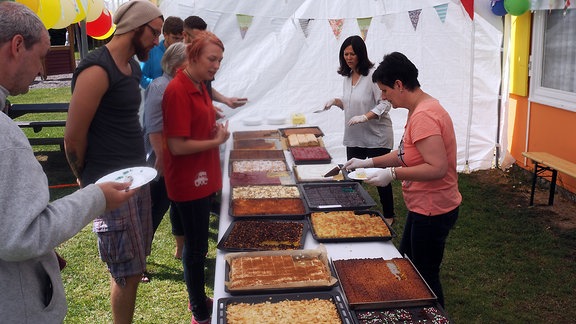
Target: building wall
550	129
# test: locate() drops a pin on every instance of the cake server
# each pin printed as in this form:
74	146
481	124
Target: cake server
334	171
394	269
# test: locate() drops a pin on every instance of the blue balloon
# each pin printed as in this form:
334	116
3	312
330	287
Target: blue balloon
498	8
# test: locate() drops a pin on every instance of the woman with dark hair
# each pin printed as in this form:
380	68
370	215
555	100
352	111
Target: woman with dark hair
192	159
425	162
368	130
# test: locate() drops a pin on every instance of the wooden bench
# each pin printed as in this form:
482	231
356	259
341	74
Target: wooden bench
547	162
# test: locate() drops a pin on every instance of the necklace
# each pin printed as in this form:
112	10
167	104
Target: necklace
196	83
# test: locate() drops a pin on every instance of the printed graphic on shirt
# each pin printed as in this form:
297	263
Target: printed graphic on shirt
201	179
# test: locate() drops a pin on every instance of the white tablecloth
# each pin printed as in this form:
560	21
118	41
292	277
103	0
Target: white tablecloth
336	251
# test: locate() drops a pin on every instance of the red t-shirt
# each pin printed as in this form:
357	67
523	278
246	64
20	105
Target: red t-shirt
439	196
189	113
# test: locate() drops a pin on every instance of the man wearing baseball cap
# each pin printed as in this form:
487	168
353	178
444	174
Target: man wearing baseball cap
103	135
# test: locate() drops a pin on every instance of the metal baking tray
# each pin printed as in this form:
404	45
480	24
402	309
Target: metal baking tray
254	161
280	214
319	252
257	144
388	303
336	196
314	161
336	297
317	172
417	314
254	223
374	213
268	133
301	130
257	155
261	178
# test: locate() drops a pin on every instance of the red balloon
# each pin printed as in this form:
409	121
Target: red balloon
101	25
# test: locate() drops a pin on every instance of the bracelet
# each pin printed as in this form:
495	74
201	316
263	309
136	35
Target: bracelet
393	171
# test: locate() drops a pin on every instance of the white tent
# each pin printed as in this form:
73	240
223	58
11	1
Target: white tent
283	56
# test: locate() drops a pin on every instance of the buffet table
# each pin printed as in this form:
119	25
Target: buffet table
346	250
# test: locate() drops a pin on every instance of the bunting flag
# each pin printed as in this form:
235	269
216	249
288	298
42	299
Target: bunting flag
244	22
304	25
364	24
336	25
469	7
414	17
441	11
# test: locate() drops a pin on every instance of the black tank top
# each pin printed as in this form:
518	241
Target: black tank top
115	139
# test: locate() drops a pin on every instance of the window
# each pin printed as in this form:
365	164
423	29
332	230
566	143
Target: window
553	65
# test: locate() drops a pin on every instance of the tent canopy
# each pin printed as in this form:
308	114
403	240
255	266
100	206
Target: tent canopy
283	56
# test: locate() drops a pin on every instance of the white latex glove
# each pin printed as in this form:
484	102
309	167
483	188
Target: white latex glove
329	104
357	120
380	178
355	163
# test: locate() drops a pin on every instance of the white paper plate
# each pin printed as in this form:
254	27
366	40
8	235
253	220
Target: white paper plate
139	176
252	121
368	171
277	120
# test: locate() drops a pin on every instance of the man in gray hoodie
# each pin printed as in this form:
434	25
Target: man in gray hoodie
31	289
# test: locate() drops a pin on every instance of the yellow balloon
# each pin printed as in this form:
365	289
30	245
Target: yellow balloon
82	6
94	11
32	4
69	10
108	34
50	12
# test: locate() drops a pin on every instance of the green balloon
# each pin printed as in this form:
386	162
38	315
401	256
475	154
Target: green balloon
517	7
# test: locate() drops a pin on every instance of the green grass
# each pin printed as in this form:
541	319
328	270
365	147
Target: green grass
504	262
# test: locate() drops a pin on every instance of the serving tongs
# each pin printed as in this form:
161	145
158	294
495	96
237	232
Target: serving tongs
334	171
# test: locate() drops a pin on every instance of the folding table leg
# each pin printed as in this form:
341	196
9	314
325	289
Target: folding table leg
552	187
534	183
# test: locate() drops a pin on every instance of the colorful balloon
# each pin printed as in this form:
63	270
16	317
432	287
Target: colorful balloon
50	12
69	11
32	4
517	7
498	8
94	11
82	6
100	26
108	34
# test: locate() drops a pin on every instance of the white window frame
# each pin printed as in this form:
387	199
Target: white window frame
539	94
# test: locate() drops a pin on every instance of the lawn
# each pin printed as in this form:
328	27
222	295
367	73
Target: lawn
505	262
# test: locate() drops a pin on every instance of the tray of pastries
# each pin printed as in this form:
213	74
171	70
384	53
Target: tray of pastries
303	140
261	178
336	196
257	155
377	283
263	235
267	201
304	307
257	144
278	271
310	155
349	226
431	313
243	166
268	133
315	130
316	172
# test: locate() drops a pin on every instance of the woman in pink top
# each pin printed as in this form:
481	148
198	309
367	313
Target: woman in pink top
425	161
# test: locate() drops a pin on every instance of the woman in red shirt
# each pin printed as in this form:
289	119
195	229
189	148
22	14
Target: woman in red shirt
192	160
